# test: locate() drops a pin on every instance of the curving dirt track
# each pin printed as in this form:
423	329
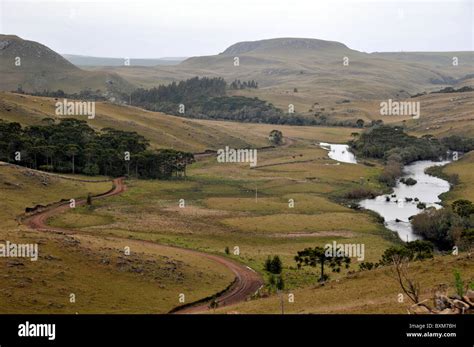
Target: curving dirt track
246	283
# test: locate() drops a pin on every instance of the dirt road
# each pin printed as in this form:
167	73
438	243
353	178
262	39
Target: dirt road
246	283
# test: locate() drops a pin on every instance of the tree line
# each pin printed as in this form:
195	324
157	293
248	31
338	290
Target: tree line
237	84
85	94
72	146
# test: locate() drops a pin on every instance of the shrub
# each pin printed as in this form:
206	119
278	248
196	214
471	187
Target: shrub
421	205
409	181
274	266
367	266
436	226
458	283
414	250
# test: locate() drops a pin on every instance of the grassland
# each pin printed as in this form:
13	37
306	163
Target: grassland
464	168
226	205
164	130
233	205
96	270
366	292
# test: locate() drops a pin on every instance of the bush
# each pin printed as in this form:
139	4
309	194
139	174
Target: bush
458	283
274	265
367	266
276	282
414	250
276	137
421	205
409	181
436	226
463	208
467	239
392	170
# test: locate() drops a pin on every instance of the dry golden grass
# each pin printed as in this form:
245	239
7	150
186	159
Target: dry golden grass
375	291
95	269
464	168
165	130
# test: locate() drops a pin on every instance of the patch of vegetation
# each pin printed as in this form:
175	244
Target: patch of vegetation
205	98
273	265
458	143
237	84
453	90
71	145
85	94
381	142
408	181
391	171
412	251
361	193
448	226
318	255
276	137
421	205
397	148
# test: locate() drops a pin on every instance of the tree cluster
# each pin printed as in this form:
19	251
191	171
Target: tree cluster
72	146
237	84
383	141
205	98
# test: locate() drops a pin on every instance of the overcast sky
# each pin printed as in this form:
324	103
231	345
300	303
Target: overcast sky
183	28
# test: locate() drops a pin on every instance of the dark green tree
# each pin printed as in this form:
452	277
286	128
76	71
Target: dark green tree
318	255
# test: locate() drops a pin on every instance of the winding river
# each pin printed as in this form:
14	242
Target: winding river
397	210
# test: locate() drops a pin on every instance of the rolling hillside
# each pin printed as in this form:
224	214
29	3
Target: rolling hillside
164	130
315	68
34	67
307	73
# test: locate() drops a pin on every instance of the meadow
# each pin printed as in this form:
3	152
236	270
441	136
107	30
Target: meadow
234	205
96	270
217	207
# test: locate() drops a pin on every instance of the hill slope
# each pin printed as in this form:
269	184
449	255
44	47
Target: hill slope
316	68
164	130
34	67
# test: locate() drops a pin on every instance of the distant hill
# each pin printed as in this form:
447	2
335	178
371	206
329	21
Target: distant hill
307	73
34	67
284	45
82	60
314	68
